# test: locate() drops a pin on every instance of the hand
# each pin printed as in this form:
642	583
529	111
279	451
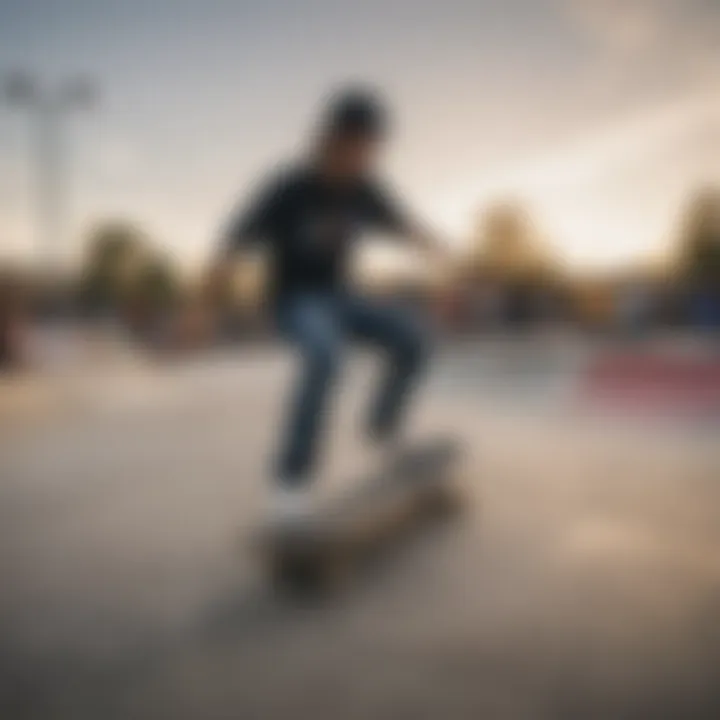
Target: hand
436	250
218	281
446	300
446	307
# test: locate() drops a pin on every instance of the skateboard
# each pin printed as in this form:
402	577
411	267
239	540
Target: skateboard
423	482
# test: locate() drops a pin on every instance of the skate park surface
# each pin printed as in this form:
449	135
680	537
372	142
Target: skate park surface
583	580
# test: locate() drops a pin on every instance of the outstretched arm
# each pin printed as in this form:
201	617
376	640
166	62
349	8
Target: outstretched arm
387	213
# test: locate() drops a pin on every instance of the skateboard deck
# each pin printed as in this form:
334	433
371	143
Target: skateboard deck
422	482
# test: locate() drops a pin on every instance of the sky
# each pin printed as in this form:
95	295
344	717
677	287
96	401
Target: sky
601	116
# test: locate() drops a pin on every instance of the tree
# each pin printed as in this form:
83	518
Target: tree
510	265
152	295
115	252
700	241
12	316
506	244
155	288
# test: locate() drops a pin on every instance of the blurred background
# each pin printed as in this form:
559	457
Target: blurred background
569	151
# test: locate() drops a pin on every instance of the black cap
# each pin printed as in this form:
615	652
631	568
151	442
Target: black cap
357	111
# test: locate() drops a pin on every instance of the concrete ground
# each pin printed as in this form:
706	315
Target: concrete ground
583	581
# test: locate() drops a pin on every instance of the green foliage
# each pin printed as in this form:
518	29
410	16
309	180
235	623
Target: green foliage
111	251
507	245
123	272
700	241
156	286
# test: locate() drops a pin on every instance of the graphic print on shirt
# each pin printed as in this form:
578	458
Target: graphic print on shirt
326	233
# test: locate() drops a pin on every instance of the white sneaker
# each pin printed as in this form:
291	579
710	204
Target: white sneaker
290	506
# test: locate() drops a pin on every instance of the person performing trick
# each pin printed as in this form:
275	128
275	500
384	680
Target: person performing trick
308	217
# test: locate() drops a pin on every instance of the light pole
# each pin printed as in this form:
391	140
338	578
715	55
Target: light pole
47	107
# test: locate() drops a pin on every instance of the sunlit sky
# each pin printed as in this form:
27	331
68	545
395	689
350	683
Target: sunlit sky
601	115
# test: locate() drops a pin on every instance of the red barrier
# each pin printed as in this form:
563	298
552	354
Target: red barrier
654	383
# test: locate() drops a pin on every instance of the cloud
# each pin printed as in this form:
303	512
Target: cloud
607	150
660	31
622	26
619	144
614	195
611	193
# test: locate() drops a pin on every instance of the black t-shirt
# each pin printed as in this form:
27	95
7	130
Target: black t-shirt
309	224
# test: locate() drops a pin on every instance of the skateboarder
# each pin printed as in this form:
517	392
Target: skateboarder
308	216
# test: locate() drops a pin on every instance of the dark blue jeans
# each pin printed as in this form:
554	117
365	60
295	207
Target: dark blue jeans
318	326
